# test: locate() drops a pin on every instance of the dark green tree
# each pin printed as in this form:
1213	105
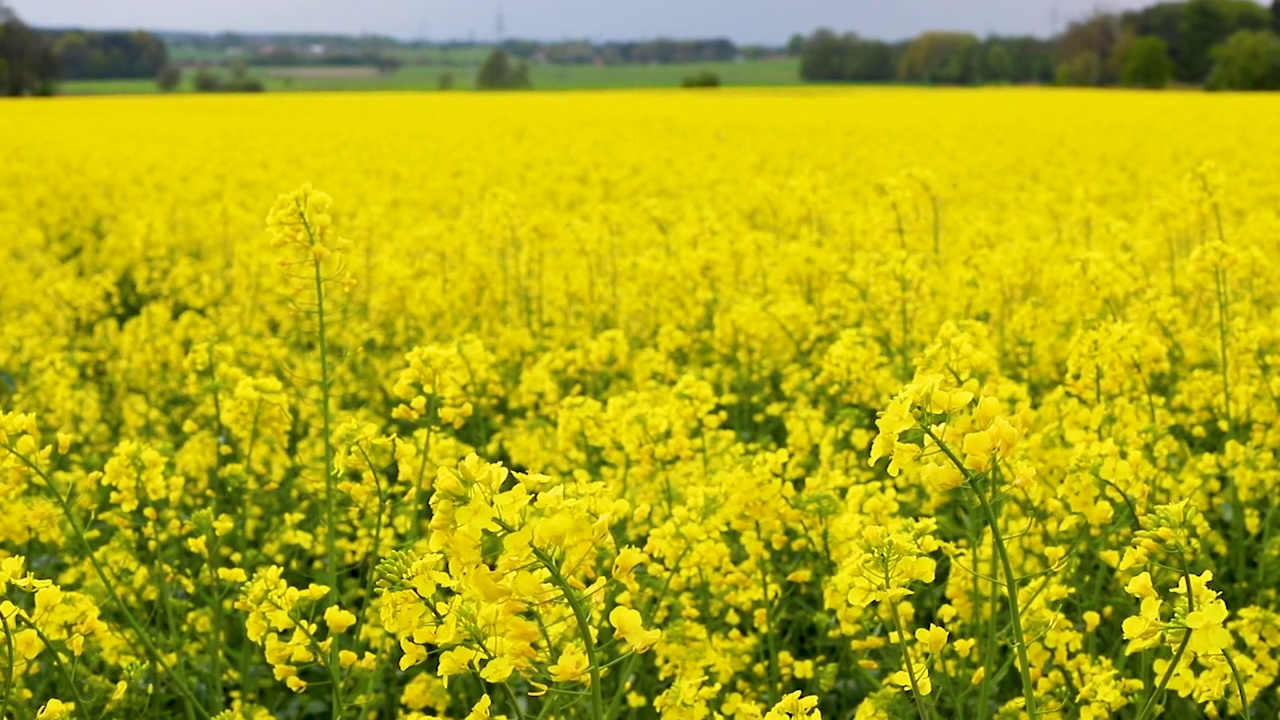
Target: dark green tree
169	77
1031	58
941	57
1163	19
997	67
703	79
1206	23
206	81
28	65
827	56
1145	63
1086	48
499	73
795	45
1275	16
1248	60
869	60
1083	69
822	56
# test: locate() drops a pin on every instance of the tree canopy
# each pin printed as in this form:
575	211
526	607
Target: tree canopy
500	73
28	65
1148	47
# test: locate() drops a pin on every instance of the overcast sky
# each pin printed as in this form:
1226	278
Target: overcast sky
745	21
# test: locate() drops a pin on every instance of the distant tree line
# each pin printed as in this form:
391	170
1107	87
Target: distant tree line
251	44
294	50
32	61
92	55
1222	44
660	51
294	57
933	57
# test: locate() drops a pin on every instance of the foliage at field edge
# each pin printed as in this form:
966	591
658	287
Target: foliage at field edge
636	405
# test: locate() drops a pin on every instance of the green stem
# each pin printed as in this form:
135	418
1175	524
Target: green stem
420	496
771	638
215	483
334	679
367	598
331	540
1168	675
330	502
81	708
1235	673
10	653
1015	615
1217	211
906	652
1011	581
215	633
1220	287
162	597
615	705
988	651
152	650
906	328
1177	655
511	699
584	630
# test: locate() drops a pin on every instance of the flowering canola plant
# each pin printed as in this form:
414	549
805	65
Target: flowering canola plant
754	405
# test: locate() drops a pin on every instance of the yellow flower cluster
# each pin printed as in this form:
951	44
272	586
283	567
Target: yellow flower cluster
832	403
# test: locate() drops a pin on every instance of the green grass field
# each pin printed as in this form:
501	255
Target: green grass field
427	77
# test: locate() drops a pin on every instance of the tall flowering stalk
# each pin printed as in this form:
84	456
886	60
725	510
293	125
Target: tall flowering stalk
945	430
300	223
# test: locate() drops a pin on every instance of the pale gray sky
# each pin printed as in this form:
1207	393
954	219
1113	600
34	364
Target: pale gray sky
745	21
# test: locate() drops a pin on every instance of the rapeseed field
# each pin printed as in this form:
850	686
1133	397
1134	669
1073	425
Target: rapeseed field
844	403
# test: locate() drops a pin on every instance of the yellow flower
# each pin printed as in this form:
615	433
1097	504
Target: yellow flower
47	599
480	711
497	670
629	626
198	545
571	666
934	638
300	217
922	682
794	706
626	561
338	619
454	661
10	569
234	575
27	643
1140	586
1208	636
54	710
1091	620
